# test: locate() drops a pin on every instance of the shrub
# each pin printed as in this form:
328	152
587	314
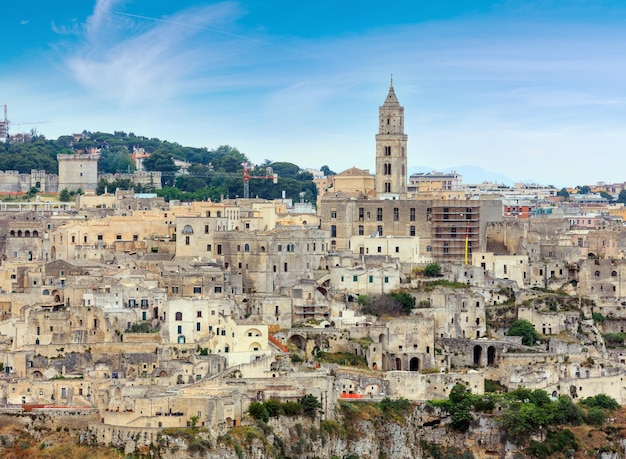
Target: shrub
600	401
595	416
432	270
525	329
258	411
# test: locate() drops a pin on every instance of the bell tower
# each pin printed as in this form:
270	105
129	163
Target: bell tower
391	148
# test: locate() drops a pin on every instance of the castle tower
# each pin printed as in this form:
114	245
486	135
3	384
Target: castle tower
79	171
391	148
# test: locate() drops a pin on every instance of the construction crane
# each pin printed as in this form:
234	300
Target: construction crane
4	124
246	178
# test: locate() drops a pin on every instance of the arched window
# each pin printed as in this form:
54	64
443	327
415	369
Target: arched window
187	229
613	273
179	316
246	248
12	233
597	274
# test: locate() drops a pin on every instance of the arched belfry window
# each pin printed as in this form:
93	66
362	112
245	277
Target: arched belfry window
187	229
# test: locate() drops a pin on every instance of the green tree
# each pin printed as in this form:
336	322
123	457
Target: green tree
405	299
621	197
585	189
310	405
563	192
432	270
64	195
163	162
526	330
258	411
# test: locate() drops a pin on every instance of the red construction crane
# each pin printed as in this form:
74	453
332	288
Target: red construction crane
246	178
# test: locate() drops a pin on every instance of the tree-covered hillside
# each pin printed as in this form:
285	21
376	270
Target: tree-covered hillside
210	174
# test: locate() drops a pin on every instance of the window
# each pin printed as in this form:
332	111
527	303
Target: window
446	213
379	249
246	248
387	148
597	273
217	289
279	248
198	313
361	212
238	247
206	229
397	249
174	288
429	248
361	230
412	230
198	326
387	187
445	247
355	278
208	247
333	231
438	232
371	279
180	329
453	233
118	237
73	239
379	214
380	230
285	266
179	316
386	279
386	169
187	240
333	214
144	315
197	289
219	249
412	214
396	214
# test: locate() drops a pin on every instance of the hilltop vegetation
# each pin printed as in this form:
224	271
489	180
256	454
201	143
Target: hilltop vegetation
211	174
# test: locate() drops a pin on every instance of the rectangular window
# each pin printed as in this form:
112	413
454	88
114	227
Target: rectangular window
197	326
135	237
206	229
333	213
379	214
361	230
355	278
371	279
412	214
85	239
386	279
285	267
412	230
73	239
333	231
396	214
219	249
208	247
218	289
361	212
453	233
380	230
180	329
187	240
118	237
197	289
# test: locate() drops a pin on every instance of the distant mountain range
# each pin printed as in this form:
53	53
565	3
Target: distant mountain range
471	174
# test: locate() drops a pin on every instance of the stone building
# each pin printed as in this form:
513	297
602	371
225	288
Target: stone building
79	171
449	227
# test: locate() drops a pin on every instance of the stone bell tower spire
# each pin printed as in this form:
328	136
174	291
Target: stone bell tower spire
391	148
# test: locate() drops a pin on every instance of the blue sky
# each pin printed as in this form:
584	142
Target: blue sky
534	90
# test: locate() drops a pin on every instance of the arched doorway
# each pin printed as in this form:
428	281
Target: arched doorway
491	355
298	341
478	353
414	364
398	364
